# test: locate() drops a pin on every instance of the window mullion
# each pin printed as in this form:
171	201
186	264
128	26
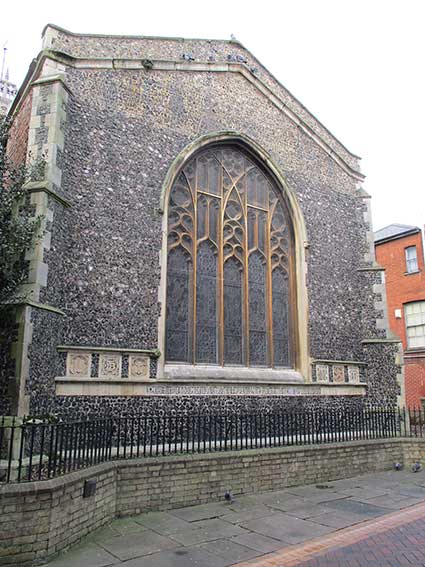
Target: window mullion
245	333
195	261
269	304
220	275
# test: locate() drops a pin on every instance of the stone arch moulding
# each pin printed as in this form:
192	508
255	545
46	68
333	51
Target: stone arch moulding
301	371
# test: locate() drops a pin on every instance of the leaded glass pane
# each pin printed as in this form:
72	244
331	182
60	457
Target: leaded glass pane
178	339
202	170
257	310
208	174
228	231
258	188
262	231
180	195
214	209
280	308
252	222
233	320
202	215
206	304
233	162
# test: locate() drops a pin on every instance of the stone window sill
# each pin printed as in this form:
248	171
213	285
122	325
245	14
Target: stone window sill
212	373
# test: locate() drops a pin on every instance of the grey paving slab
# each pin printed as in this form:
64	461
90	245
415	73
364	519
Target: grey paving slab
339	519
309	511
324	496
102	534
85	555
287	528
394	503
247	502
365	492
311	490
184	557
207	530
356	507
163	522
248	514
420	478
201	512
342	483
136	545
284	502
413	491
274	494
230	550
126	526
259	542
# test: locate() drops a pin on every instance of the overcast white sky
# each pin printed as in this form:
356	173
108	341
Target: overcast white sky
357	65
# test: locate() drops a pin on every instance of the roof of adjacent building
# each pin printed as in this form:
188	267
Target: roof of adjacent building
393	231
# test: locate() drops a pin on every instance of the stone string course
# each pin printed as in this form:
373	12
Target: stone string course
39	519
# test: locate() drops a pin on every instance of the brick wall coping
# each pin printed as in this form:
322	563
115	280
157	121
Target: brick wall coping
83	474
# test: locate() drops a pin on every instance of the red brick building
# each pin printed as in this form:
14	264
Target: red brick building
399	249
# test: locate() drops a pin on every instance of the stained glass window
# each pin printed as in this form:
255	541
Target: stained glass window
229	268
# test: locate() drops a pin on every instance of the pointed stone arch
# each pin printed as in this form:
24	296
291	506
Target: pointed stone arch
184	170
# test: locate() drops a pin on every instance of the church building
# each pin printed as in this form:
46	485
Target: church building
206	243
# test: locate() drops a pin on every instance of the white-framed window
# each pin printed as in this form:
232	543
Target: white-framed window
411	259
415	324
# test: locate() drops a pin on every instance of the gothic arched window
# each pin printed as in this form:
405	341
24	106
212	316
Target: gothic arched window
230	280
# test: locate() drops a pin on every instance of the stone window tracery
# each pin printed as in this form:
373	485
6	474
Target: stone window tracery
230	274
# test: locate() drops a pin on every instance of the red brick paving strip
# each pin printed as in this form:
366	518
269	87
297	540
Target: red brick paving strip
368	530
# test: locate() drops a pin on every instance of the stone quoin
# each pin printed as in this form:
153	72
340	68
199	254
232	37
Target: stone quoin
206	244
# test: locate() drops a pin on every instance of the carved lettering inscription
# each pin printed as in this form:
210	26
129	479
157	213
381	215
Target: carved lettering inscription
78	364
224	390
138	367
322	373
110	366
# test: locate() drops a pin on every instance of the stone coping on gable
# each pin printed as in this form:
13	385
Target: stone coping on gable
295	112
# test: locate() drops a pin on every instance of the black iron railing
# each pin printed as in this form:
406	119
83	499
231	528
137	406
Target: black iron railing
37	450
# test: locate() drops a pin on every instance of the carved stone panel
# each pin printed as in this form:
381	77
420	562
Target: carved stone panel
353	375
322	373
338	374
138	368
78	364
110	366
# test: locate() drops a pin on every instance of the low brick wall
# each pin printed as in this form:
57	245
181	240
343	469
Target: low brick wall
38	519
174	482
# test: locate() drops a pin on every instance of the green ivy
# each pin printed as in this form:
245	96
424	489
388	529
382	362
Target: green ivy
18	226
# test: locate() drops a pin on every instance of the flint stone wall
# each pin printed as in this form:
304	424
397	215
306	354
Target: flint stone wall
124	128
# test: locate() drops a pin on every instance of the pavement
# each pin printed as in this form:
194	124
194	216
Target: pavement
375	520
